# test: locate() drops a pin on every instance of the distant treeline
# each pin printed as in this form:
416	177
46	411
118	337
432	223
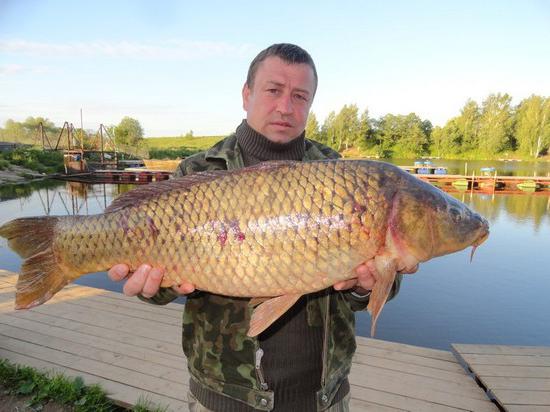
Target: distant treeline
480	131
495	128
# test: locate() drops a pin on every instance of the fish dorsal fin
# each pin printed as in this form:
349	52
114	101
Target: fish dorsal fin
269	311
153	190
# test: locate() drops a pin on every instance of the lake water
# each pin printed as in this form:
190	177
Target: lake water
499	298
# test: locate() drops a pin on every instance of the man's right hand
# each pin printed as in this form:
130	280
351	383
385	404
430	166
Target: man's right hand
145	280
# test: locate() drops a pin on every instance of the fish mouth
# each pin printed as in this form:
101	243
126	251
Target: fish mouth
480	240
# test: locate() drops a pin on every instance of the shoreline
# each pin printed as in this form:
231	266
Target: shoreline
14	174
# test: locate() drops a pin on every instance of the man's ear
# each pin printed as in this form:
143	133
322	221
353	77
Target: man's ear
246	96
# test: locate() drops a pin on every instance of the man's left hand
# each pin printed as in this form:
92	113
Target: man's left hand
364	281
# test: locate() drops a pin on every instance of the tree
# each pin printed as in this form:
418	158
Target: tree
406	135
449	138
347	129
328	134
14	131
128	132
312	127
468	126
366	131
31	124
496	124
532	129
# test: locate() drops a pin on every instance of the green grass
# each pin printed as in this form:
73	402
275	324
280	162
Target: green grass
42	388
192	143
178	147
4	164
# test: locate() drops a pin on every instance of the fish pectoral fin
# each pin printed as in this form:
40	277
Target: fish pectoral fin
384	269
269	311
256	301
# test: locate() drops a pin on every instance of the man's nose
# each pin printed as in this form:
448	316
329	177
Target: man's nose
284	104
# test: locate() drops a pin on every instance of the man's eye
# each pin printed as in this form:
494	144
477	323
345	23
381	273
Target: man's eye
273	91
301	97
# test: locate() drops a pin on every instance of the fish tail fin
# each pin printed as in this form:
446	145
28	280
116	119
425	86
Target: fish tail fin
40	276
384	272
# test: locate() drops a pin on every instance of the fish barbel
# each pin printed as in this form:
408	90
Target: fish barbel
274	232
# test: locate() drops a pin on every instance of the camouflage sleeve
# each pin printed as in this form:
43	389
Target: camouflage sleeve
163	297
360	303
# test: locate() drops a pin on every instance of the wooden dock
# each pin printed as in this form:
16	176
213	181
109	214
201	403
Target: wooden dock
129	176
490	184
133	351
516	377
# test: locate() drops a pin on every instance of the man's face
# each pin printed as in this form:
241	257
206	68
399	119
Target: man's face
278	103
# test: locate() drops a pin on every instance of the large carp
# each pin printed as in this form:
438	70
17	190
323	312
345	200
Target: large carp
277	230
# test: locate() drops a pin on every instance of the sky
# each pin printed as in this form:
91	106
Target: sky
178	66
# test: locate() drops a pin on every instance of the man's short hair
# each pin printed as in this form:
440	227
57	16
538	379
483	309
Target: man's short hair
287	52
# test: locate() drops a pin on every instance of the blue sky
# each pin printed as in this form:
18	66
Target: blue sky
180	65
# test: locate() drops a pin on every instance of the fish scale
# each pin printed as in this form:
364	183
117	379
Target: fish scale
280	229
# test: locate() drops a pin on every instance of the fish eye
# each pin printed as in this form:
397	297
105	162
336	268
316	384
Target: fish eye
455	214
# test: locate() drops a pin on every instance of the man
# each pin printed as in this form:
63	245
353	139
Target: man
300	363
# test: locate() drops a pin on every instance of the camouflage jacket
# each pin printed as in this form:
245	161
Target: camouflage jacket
221	357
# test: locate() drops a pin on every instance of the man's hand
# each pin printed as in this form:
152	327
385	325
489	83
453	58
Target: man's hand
145	280
365	279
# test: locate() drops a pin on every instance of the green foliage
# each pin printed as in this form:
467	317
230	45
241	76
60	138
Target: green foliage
128	132
19	380
43	388
198	143
176	153
27	131
34	159
496	124
312	127
532	128
4	164
402	136
178	147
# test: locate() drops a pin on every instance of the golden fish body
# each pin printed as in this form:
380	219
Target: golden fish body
278	229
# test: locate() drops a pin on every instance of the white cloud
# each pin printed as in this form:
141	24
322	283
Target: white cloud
172	49
16	69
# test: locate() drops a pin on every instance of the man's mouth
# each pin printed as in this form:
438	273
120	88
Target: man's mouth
281	124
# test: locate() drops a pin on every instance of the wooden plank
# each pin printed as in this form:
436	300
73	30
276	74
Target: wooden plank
402	347
133	311
526	408
513	371
107	320
361	362
427	390
363	406
398	401
518	377
93	340
118	374
508	360
121	394
529	384
412	359
501	350
511	397
110	357
91	329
